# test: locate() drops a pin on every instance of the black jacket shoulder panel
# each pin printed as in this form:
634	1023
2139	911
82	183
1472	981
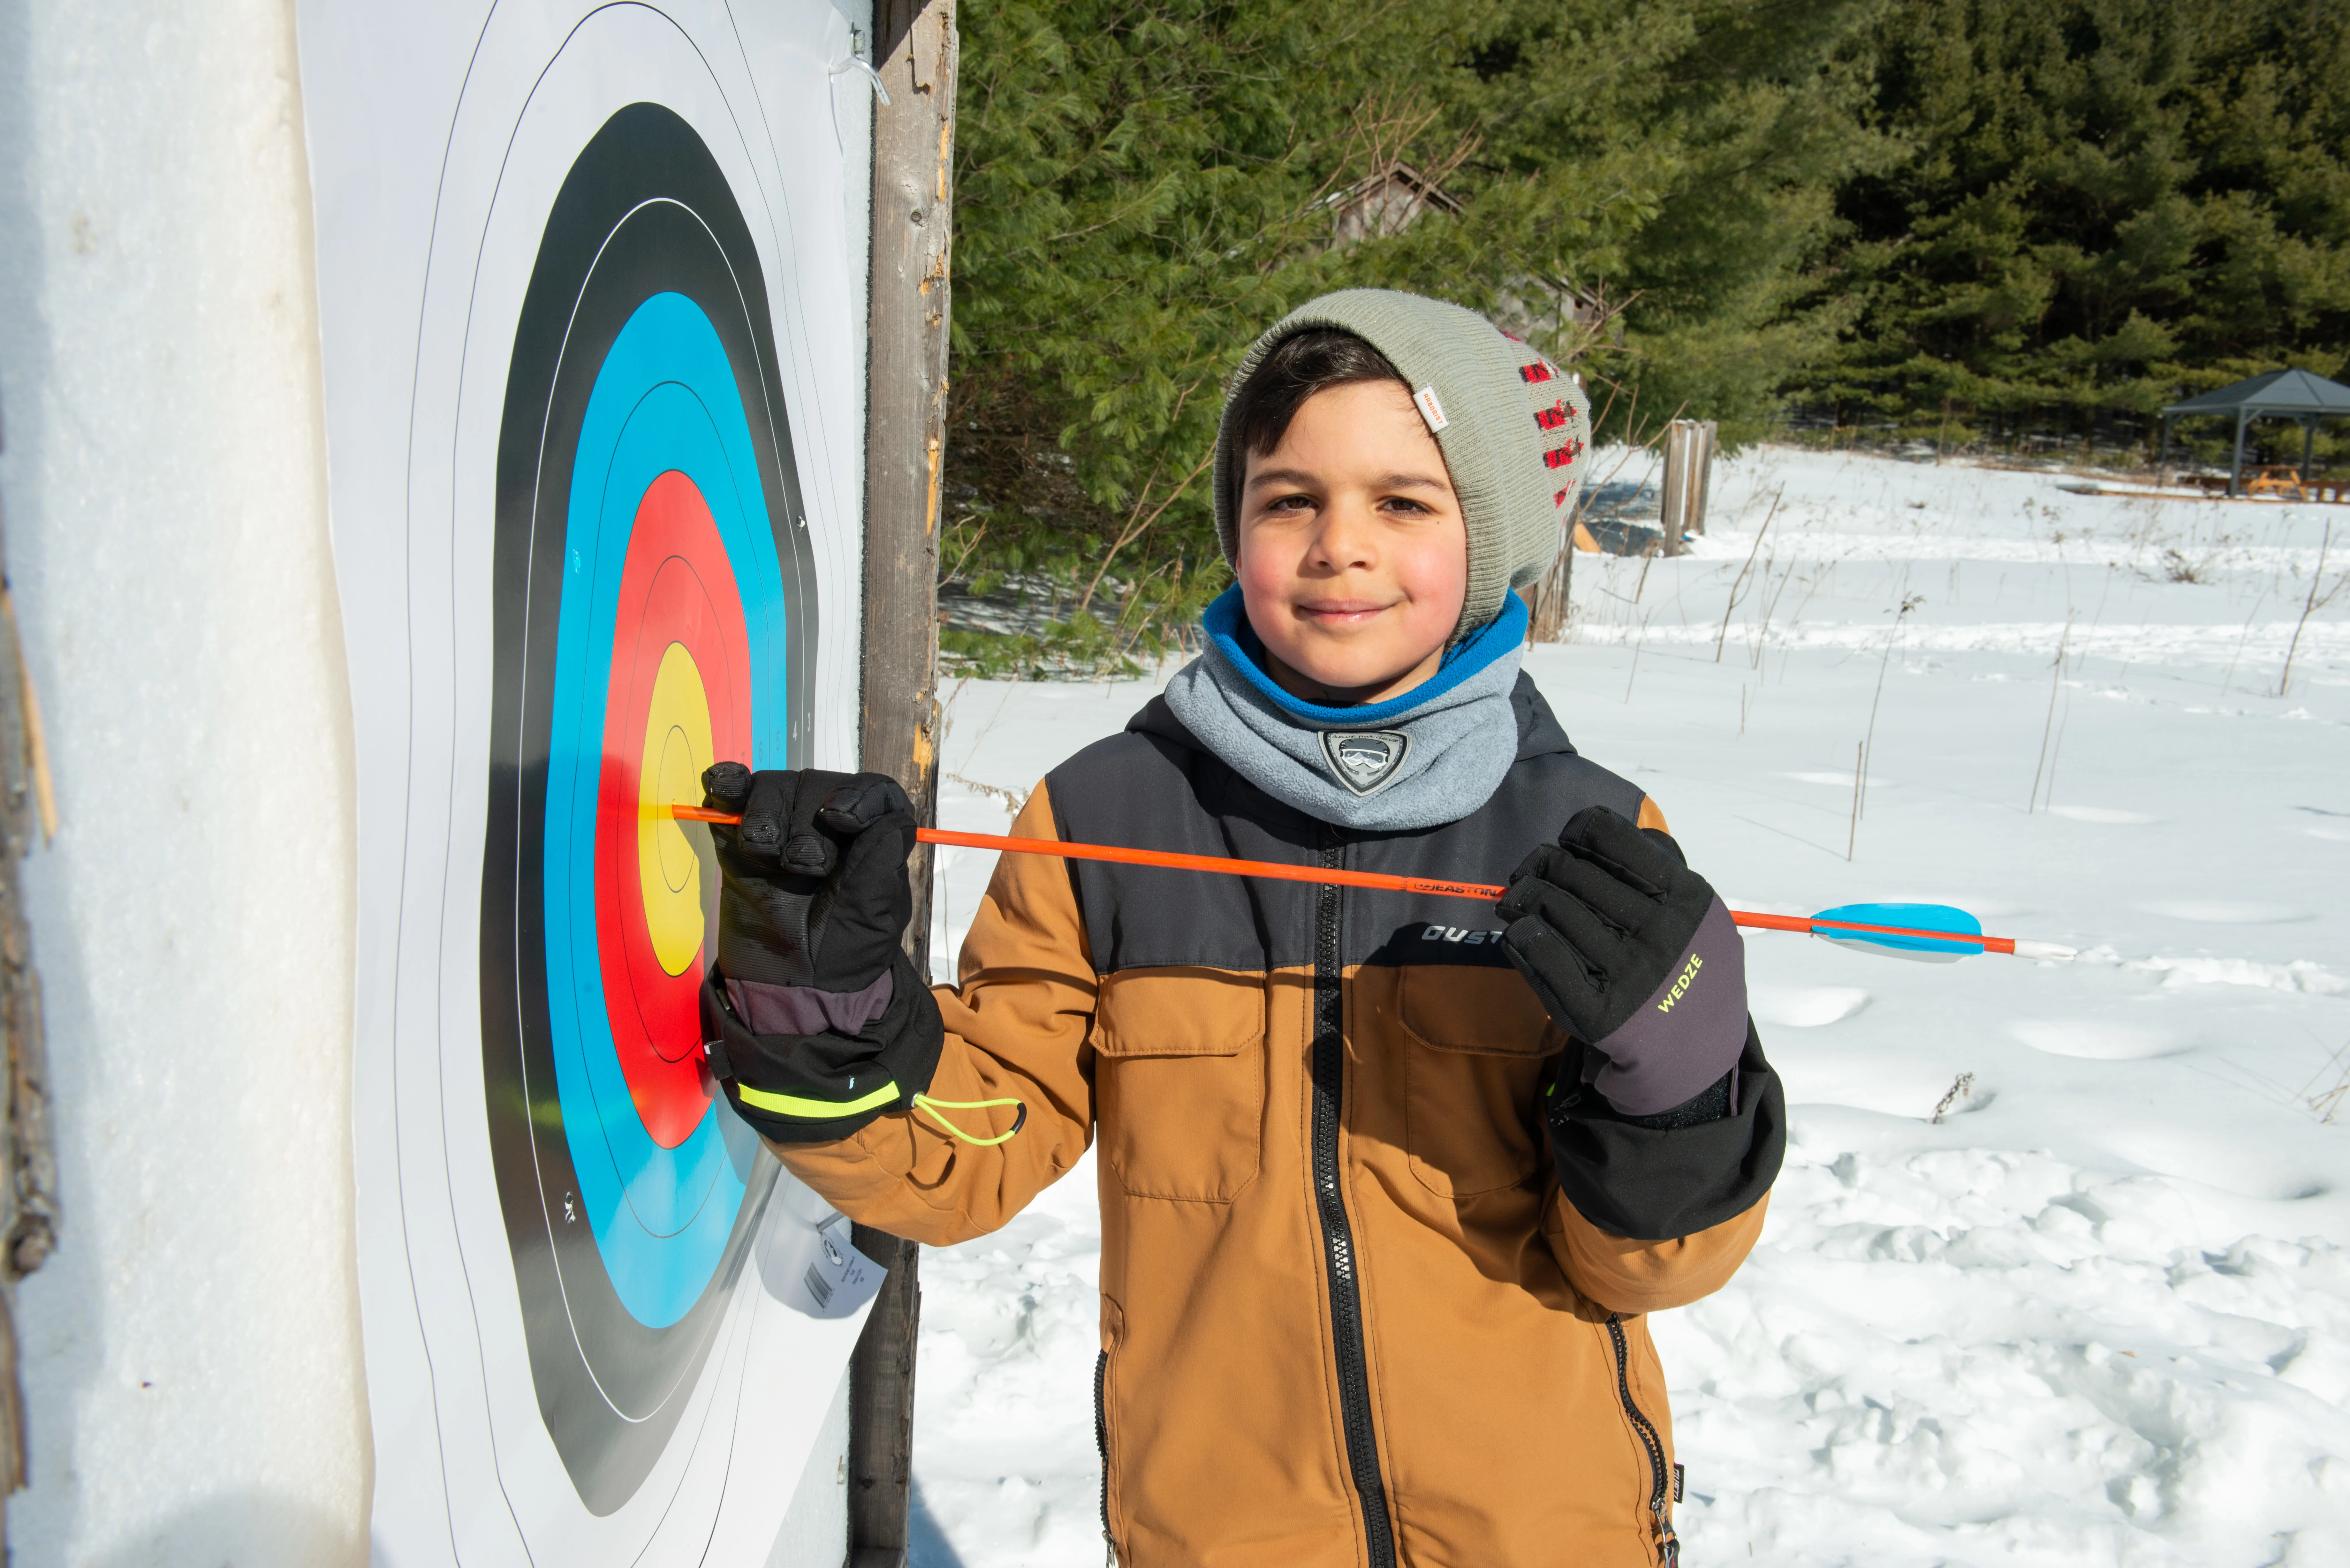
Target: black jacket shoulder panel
1539	732
1156	718
1154	786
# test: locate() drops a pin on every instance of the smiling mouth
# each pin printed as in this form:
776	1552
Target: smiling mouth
1340	612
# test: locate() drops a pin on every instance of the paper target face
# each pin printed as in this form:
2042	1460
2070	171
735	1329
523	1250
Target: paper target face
653	612
591	285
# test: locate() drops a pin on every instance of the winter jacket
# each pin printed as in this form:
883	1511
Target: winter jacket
1359	1306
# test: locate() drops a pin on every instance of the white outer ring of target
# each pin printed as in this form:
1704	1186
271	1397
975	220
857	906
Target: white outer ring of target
537	89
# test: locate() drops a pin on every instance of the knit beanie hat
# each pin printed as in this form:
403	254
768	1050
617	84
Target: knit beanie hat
1511	425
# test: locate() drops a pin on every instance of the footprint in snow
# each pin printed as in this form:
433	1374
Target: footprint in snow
2098	1039
1804	1006
2192	1154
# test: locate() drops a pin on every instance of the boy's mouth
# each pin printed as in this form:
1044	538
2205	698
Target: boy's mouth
1336	614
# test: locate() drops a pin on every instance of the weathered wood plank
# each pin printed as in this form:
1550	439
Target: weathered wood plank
906	388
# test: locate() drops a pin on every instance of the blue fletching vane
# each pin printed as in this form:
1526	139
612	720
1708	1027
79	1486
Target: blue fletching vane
1916	917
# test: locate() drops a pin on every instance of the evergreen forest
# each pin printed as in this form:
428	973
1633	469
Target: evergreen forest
1964	223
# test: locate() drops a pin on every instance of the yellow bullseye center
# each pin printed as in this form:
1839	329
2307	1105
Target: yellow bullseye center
677	748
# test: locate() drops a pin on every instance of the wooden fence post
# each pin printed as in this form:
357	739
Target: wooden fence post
1689	472
1673	498
905	440
1706	432
28	1167
1550	602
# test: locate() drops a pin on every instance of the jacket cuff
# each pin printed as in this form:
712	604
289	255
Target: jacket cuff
803	1010
823	1085
1709	1104
1657	1178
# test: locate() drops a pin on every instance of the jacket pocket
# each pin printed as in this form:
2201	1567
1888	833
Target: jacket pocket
1179	1088
1475	1040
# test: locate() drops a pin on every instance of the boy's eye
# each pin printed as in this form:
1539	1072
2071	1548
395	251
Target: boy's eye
1291	504
1404	503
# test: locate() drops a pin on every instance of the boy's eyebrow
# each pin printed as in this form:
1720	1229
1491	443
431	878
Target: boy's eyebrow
1396	481
1266	476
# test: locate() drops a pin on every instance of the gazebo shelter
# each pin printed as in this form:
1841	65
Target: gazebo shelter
2279	394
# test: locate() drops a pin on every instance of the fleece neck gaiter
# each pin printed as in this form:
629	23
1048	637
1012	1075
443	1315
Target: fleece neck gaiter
1429	757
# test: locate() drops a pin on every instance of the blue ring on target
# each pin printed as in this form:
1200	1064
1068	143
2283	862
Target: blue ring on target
665	399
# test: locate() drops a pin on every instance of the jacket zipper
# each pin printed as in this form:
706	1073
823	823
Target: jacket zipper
1101	1443
1338	1253
1660	1520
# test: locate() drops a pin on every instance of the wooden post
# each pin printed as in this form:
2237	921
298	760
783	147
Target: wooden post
1688	475
905	440
1668	492
1549	603
1707	431
28	1167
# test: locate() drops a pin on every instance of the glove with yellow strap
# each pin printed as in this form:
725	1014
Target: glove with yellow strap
812	1017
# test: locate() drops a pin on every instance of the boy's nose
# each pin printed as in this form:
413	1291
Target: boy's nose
1347	538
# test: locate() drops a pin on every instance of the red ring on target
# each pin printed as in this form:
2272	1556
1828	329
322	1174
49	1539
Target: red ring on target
678	699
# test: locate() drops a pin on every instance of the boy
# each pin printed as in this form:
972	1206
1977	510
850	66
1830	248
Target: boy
1386	1182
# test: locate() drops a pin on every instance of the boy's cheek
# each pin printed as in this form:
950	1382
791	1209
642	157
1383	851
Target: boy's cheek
1268	574
1434	574
1440	574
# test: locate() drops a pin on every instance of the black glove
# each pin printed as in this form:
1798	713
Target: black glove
812	1017
1633	954
815	888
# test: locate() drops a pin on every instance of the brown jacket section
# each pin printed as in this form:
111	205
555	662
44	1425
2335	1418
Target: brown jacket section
1508	1411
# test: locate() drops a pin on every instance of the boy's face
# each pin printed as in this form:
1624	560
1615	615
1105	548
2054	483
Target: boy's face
1354	556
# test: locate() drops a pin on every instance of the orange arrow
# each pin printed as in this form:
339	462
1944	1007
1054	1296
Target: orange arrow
1274	871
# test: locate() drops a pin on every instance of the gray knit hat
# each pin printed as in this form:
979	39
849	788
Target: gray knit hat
1512	427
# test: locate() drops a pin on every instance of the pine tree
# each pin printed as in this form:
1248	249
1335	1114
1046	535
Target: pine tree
2103	204
1142	187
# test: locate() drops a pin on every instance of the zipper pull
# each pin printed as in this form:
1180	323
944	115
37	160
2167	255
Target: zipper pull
1668	1546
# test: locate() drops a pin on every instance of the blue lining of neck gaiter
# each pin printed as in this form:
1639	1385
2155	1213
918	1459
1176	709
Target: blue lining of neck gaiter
1226	623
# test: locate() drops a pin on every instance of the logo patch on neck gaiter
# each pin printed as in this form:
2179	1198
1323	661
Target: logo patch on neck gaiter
1363	760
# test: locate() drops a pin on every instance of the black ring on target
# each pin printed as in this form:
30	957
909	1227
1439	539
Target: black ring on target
645	212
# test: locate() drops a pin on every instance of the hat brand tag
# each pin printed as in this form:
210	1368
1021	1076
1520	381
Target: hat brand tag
1363	760
1430	409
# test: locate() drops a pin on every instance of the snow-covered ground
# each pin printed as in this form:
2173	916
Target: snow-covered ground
2098	1310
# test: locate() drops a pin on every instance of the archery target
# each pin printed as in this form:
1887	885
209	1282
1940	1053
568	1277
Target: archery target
649	609
595	397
